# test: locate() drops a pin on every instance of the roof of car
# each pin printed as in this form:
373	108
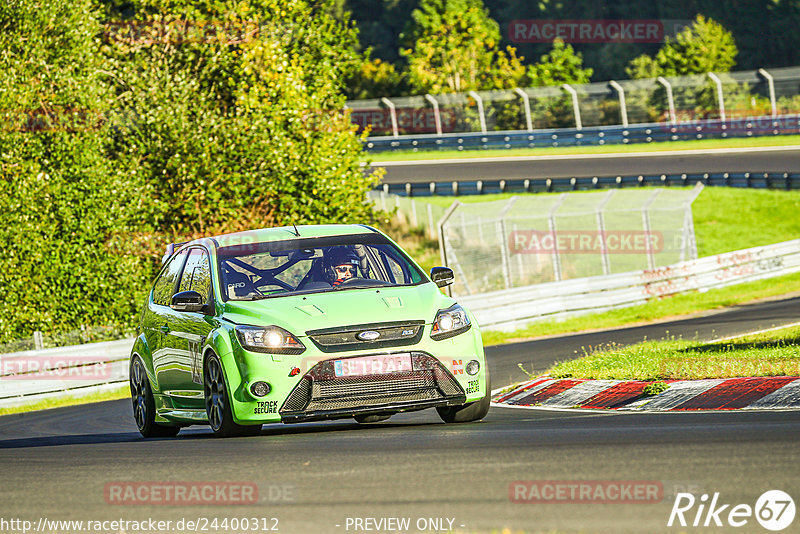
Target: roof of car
288	232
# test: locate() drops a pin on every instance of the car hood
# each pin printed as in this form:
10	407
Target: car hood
301	313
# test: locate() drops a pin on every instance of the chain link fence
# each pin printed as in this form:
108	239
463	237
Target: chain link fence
528	240
415	213
677	100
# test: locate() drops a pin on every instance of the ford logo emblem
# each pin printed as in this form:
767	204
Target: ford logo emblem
368	335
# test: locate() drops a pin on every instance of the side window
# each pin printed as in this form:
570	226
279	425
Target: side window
197	273
394	270
165	285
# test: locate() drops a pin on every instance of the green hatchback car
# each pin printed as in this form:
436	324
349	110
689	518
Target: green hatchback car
301	324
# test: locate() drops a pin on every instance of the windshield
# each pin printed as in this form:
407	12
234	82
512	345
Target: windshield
277	269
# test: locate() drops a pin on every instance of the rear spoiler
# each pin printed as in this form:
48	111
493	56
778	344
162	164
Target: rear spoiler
171	248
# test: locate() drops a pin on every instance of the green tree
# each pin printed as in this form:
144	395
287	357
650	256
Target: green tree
454	45
561	65
705	46
63	208
374	79
236	129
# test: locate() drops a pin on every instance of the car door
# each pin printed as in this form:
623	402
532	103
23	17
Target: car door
156	323
189	331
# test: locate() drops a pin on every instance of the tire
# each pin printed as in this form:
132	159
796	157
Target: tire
372	418
218	406
471	411
144	407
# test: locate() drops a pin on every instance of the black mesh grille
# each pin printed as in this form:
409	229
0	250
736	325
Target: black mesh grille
320	390
299	397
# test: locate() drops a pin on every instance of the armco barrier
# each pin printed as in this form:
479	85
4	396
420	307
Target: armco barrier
33	375
755	180
591	136
514	308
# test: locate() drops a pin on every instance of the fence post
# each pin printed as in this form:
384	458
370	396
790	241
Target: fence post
502	239
689	238
623	108
601	228
393	114
670	100
771	84
479	101
443	241
720	100
431	228
38	340
551	222
414	220
571	90
651	259
436	116
527	103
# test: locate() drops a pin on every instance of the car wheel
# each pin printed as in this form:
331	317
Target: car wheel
144	407
372	418
218	406
471	411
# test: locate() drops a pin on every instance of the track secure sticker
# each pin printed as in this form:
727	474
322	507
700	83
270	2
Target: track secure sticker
266	407
473	386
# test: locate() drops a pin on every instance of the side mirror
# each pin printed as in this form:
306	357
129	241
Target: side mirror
187	301
442	276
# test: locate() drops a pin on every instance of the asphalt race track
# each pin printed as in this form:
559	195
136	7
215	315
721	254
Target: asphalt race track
313	477
542	167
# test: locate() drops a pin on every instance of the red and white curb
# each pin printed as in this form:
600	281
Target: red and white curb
757	393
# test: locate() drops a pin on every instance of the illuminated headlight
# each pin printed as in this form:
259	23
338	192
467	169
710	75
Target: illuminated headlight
271	339
450	322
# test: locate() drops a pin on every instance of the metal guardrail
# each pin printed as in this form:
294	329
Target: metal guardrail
765	180
514	308
72	371
591	136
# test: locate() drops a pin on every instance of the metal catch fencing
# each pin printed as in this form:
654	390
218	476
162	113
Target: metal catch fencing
676	101
526	240
422	215
515	308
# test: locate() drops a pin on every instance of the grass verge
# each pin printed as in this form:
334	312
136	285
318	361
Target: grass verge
773	353
123	392
700	144
673	307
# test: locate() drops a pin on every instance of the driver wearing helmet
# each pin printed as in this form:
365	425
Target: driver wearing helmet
341	265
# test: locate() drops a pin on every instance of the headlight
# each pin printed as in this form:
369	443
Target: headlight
271	339
450	322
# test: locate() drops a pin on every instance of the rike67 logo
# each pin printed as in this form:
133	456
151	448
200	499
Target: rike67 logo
774	510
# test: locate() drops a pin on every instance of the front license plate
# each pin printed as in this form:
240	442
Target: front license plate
372	365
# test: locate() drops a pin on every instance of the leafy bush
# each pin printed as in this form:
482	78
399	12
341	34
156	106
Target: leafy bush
150	129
